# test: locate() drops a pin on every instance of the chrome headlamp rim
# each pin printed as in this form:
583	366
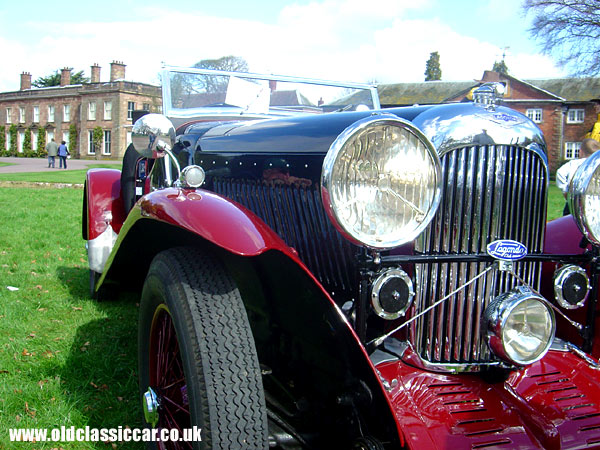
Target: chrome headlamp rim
576	196
559	279
381	280
188	173
328	166
496	317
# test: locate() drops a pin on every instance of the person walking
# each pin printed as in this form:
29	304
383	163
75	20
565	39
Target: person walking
52	150
63	152
568	169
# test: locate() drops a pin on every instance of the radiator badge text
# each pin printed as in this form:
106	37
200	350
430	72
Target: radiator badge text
507	250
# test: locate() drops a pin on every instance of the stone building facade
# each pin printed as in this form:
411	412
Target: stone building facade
106	106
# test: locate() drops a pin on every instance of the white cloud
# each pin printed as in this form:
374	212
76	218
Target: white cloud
331	39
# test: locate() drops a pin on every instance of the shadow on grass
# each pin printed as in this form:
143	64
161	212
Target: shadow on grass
100	373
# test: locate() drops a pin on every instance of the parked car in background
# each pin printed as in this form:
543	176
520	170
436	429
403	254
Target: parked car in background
318	272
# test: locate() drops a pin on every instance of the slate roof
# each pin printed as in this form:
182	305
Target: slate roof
423	93
571	89
432	92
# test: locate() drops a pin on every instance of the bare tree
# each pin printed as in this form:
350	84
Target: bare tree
569	30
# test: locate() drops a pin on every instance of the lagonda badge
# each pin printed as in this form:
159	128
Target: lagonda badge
506	250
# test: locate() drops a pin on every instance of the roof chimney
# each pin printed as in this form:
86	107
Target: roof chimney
65	76
95	73
25	81
117	71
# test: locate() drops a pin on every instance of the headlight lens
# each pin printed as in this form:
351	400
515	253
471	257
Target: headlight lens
520	326
584	197
381	182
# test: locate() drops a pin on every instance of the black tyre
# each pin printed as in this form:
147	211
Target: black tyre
197	354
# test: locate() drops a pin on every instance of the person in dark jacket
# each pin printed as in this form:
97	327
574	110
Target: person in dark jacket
63	152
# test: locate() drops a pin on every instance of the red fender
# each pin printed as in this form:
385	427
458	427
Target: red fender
562	237
214	218
104	205
228	225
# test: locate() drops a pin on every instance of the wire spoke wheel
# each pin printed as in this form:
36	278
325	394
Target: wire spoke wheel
168	379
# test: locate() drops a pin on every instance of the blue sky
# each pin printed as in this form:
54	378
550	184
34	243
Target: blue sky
349	40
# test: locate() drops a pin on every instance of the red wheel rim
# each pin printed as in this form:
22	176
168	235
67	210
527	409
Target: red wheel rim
167	378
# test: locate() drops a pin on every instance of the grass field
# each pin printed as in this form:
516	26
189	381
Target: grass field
64	359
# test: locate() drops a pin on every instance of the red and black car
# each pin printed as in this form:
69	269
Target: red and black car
320	272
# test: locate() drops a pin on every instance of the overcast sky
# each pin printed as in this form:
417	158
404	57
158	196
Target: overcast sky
347	40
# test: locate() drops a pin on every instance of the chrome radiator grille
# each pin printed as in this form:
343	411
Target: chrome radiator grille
489	193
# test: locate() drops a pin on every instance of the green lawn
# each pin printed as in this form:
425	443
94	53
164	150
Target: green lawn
59	176
64	359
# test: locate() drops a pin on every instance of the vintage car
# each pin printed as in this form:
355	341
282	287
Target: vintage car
318	271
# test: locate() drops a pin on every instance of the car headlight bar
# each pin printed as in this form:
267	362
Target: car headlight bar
381	182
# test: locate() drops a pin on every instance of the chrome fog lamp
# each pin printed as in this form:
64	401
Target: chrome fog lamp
519	326
392	294
584	197
192	176
571	286
381	182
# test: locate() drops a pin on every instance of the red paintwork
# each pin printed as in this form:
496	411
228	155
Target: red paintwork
214	218
562	237
103	187
552	404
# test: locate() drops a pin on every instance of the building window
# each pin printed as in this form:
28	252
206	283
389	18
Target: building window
66	138
21	140
34	141
21	114
575	116
572	150
146	107
49	136
107	110
8	141
8	115
50	113
130	108
91	146
535	114
66	113
92	111
36	114
106	148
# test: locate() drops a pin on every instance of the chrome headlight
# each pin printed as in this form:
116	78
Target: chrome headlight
381	182
520	326
584	197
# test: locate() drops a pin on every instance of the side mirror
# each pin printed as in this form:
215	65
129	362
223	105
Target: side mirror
153	135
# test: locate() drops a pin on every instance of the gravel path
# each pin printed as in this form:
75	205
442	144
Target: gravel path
41	164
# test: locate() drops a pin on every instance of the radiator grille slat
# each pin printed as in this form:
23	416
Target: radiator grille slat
489	193
296	214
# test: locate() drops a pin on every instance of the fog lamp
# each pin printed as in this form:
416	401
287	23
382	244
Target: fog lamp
392	294
519	326
571	286
192	176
